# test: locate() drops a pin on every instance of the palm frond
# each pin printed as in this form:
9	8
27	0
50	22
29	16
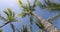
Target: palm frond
0	29
6	13
23	14
22	4
13	14
51	5
31	28
19	1
47	1
38	3
24	28
4	24
18	30
10	11
39	24
1	17
10	15
53	17
34	3
12	26
31	19
32	8
28	1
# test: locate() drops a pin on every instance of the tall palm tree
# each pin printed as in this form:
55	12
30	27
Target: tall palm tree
9	19
28	10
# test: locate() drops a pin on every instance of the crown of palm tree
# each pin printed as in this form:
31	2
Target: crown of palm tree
28	9
9	19
10	14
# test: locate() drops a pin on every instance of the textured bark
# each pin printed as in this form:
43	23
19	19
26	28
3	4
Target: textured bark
48	26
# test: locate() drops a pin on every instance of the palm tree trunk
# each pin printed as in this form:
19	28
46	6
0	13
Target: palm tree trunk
48	26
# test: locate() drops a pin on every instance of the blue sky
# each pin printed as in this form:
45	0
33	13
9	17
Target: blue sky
4	4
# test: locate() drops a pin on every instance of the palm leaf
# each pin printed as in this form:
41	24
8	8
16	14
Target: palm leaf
28	2
0	30
18	30
6	13
10	11
12	26
34	3
47	1
13	14
24	29
23	14
52	6
53	17
30	27
22	5
1	17
19	1
31	19
4	24
39	24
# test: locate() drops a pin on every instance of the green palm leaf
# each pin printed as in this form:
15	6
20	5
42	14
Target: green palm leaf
53	17
51	5
28	2
12	26
19	1
13	14
1	17
0	30
6	13
4	24
24	29
34	5
39	24
10	11
23	14
10	15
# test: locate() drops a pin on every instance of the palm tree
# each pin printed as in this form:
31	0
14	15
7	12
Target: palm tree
9	19
28	10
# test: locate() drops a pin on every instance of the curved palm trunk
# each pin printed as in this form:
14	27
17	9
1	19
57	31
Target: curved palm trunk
48	26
